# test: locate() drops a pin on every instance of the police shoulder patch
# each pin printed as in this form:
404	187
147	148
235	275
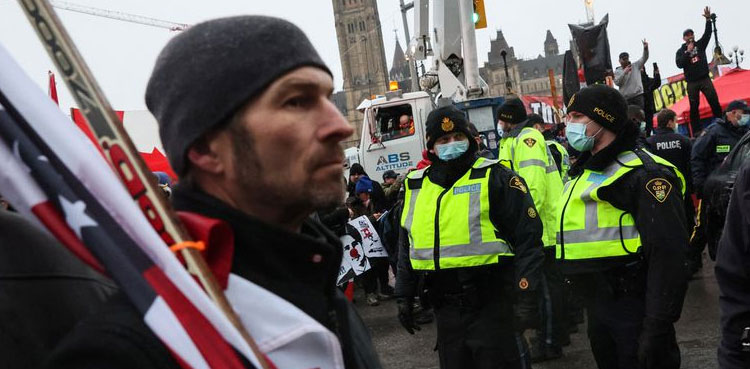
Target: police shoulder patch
659	188
516	183
529	142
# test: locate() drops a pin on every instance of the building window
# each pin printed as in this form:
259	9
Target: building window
362	26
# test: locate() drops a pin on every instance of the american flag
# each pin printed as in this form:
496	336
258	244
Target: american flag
51	173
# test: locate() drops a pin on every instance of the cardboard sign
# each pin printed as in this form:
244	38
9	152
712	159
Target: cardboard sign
353	261
370	239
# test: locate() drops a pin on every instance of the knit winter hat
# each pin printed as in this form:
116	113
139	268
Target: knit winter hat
357	169
208	72
364	184
603	104
444	120
512	111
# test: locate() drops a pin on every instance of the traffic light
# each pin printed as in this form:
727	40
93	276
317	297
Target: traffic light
480	20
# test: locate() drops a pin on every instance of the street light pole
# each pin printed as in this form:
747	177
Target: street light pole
508	85
412	63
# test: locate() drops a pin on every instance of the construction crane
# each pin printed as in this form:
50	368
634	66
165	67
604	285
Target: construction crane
138	19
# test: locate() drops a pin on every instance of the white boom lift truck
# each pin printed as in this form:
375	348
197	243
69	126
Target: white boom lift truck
393	133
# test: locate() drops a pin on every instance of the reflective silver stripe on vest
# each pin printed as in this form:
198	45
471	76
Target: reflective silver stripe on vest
475	218
488	248
552	167
532	163
410	215
592	232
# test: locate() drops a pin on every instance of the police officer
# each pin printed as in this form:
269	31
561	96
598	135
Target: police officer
475	236
523	149
558	151
612	239
732	266
674	148
708	153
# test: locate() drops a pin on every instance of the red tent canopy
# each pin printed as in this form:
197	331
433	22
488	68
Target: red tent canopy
734	85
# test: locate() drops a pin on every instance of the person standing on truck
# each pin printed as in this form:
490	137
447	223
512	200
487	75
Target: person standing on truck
474	236
691	57
525	151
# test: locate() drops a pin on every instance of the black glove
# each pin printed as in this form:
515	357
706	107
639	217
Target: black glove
657	345
406	314
526	311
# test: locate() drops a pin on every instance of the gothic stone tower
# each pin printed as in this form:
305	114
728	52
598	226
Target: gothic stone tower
362	56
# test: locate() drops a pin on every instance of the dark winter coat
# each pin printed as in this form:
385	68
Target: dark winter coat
711	148
695	65
733	274
44	291
298	267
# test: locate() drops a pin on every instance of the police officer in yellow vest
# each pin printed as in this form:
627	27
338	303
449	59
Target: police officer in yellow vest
524	150
474	236
622	237
558	151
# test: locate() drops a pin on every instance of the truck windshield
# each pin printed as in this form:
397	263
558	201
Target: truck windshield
394	122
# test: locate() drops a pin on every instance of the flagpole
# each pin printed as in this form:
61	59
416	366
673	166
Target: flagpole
120	152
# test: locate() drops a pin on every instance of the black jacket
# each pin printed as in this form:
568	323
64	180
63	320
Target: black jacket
695	64
509	212
676	149
269	256
649	85
711	148
660	268
44	291
733	274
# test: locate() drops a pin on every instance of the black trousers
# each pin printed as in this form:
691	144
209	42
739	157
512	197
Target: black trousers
614	325
378	273
637	101
474	333
694	89
552	310
698	238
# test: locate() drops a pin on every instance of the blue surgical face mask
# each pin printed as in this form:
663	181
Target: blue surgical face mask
744	120
500	131
576	134
451	150
643	127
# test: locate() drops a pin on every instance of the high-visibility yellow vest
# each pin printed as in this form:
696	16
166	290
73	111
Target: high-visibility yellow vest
564	160
528	155
591	228
451	227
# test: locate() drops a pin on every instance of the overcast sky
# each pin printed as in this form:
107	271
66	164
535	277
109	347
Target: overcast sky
122	54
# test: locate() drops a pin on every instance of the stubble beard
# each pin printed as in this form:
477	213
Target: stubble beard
278	190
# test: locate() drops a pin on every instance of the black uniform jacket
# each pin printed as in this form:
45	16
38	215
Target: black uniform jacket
516	221
660	268
275	259
44	291
733	274
711	148
695	64
674	148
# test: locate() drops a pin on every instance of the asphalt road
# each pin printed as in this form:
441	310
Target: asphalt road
697	333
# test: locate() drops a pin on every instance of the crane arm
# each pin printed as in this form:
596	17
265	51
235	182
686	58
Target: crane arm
138	19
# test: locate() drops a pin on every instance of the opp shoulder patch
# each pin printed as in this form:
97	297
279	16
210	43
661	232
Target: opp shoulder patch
529	142
516	183
659	188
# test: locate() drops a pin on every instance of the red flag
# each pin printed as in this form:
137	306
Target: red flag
53	88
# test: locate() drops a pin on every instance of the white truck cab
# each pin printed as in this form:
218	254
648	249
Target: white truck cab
387	142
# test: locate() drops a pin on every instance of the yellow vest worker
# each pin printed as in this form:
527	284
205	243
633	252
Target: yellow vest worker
524	151
622	237
558	151
471	231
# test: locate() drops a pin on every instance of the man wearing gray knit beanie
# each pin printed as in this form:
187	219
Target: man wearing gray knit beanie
245	117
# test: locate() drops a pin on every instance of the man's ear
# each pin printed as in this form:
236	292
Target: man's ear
203	155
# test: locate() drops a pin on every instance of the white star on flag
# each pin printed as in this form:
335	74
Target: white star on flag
75	215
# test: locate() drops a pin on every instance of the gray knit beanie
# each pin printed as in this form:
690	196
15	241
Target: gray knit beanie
205	74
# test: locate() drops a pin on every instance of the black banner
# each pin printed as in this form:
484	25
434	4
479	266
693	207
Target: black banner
593	48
